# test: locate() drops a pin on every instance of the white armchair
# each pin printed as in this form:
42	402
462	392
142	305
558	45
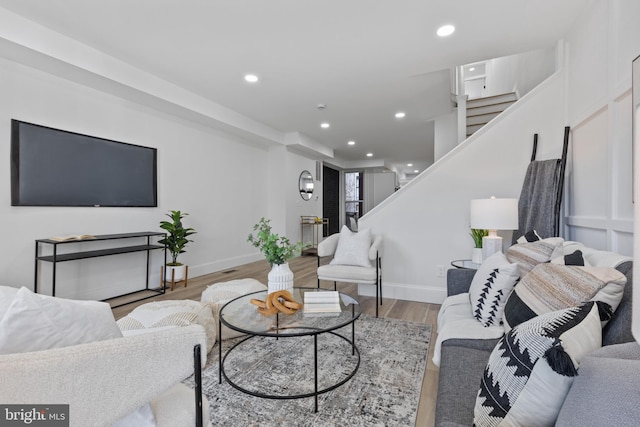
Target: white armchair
352	273
105	380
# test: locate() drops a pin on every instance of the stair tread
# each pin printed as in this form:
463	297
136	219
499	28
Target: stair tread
491	105
494	96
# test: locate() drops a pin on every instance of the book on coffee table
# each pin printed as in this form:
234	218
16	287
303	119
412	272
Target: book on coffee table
322	302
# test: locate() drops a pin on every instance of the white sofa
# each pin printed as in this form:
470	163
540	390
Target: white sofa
105	380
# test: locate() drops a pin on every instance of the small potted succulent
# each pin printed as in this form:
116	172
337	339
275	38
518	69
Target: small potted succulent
277	250
477	235
176	242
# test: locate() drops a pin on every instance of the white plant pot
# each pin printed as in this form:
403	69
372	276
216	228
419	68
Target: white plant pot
476	255
178	275
280	278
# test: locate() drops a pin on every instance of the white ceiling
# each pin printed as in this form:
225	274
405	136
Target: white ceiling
363	59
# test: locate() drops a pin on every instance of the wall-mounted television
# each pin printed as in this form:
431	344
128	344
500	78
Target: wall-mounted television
52	167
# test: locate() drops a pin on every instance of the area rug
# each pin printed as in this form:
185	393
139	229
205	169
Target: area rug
385	390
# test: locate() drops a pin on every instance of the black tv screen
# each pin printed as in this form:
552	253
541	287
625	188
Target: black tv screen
52	167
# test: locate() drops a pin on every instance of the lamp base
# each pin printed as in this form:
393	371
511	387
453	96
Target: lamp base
491	245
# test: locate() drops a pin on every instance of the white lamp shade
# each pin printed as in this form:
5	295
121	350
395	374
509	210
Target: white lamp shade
494	214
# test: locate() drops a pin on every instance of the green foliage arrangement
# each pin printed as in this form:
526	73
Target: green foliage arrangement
276	249
177	234
477	235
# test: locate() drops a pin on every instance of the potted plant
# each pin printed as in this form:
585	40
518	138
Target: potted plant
277	250
477	235
176	241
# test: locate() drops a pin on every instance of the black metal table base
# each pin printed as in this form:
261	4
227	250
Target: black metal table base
315	393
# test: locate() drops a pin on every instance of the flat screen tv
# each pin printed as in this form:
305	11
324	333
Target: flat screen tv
52	167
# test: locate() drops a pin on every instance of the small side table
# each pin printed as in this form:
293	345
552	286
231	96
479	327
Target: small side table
465	263
317	226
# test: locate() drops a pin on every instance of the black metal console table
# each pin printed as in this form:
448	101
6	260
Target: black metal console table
55	257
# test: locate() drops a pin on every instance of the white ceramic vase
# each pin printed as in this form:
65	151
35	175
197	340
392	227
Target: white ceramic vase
178	275
280	278
476	255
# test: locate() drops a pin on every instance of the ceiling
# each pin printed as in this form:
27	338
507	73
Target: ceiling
364	60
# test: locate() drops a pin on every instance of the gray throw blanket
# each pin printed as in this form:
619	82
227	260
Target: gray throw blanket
537	204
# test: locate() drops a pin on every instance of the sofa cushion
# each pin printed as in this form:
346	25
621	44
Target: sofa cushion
530	254
35	322
491	287
157	315
608	380
456	322
549	287
533	366
353	248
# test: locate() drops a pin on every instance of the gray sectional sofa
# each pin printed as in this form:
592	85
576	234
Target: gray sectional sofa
605	393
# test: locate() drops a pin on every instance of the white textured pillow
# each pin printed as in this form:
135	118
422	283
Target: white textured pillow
7	294
490	288
36	322
353	248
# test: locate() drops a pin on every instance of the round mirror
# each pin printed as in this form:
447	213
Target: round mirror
306	185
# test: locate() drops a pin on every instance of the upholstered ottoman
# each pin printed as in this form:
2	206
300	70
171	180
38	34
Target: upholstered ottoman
170	314
218	294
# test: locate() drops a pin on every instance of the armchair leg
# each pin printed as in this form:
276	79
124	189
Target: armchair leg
197	376
376	300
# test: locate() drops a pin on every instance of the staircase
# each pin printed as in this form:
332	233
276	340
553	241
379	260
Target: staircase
482	110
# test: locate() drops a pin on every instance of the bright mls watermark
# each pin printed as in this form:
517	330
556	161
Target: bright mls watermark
34	415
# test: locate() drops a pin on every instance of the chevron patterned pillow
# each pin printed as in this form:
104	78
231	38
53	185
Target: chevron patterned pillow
532	367
490	287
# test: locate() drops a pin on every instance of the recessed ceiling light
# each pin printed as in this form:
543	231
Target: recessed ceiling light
369	154
409	164
416	171
324	125
400	115
351	143
445	30
251	78
472	69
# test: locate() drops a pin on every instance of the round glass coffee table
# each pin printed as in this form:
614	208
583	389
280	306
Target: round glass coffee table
258	355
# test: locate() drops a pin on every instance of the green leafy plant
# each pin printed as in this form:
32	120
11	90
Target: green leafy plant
276	249
477	235
177	234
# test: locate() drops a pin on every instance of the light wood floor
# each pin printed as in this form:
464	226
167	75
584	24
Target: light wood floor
304	269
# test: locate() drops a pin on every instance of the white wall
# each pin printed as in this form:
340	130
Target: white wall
384	185
217	178
426	223
445	134
599	51
521	72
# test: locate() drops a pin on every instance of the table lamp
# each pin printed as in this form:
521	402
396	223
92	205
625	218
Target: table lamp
493	215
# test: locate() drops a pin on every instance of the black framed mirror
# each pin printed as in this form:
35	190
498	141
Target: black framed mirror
305	183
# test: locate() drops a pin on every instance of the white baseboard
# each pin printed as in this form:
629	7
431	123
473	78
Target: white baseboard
407	292
224	264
